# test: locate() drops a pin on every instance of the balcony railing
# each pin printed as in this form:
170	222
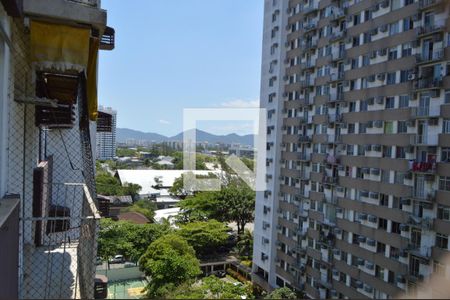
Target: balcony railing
60	243
429	83
428	29
424	4
93	3
430	57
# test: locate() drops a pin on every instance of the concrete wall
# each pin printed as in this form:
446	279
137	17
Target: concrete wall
121	274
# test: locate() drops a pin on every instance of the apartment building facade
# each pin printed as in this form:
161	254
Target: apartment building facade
106	133
48	107
358	99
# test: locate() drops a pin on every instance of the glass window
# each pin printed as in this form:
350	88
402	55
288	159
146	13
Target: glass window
400	152
388	127
445	155
394	28
406	49
402	127
441	240
390	102
443	212
444	183
446	126
391	77
392	53
404	101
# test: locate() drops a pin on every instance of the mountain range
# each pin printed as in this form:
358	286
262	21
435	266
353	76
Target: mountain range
124	134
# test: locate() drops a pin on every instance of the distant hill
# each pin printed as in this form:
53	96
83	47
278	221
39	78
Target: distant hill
124	134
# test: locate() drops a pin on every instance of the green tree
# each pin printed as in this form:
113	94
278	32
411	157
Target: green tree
169	261
281	293
237	204
245	244
199	207
125	152
128	239
205	237
145	207
211	288
108	185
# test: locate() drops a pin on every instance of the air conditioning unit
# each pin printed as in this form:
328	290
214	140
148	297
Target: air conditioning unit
380	100
411	123
384	28
382	52
381	76
384	4
370	101
411	76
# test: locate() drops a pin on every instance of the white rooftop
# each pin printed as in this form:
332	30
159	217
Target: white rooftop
166	214
147	178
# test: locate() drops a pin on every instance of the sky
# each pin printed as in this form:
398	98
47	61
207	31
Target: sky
176	54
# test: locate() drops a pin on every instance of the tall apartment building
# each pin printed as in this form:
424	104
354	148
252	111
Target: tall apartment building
48	107
358	100
106	133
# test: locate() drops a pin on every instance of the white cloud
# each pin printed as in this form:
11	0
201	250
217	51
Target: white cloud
239	103
165	122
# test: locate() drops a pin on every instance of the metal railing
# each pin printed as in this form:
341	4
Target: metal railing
61	244
93	3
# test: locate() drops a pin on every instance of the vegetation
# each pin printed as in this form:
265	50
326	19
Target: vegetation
212	288
205	237
169	261
128	239
145	207
109	185
126	152
245	245
282	293
233	203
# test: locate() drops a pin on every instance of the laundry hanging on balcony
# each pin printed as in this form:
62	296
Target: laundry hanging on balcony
66	49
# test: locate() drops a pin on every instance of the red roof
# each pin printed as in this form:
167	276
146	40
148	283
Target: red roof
134	217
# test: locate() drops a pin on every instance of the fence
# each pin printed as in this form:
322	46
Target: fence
52	169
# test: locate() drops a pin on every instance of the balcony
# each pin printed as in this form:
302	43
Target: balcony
424	139
422	195
309	27
426	4
424	223
433	56
304	156
429	112
307	9
337	97
423	167
429	29
336	36
337	76
428	83
60	243
338	55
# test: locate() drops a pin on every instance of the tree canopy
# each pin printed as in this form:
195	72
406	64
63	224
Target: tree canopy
169	261
233	203
145	207
109	185
211	288
205	237
281	293
128	239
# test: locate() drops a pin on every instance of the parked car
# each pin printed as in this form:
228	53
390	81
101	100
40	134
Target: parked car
118	259
98	261
220	274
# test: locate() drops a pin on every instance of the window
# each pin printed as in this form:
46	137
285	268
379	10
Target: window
396	4
443	213
391	77
406	50
444	183
441	240
447	93
403	101
388	127
390	102
446	126
445	155
366	60
384	200
382	223
438	268
395	227
408	24
400	152
402	127
387	151
392	53
394	28
363	105
404	75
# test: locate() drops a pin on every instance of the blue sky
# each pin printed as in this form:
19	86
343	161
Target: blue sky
175	54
